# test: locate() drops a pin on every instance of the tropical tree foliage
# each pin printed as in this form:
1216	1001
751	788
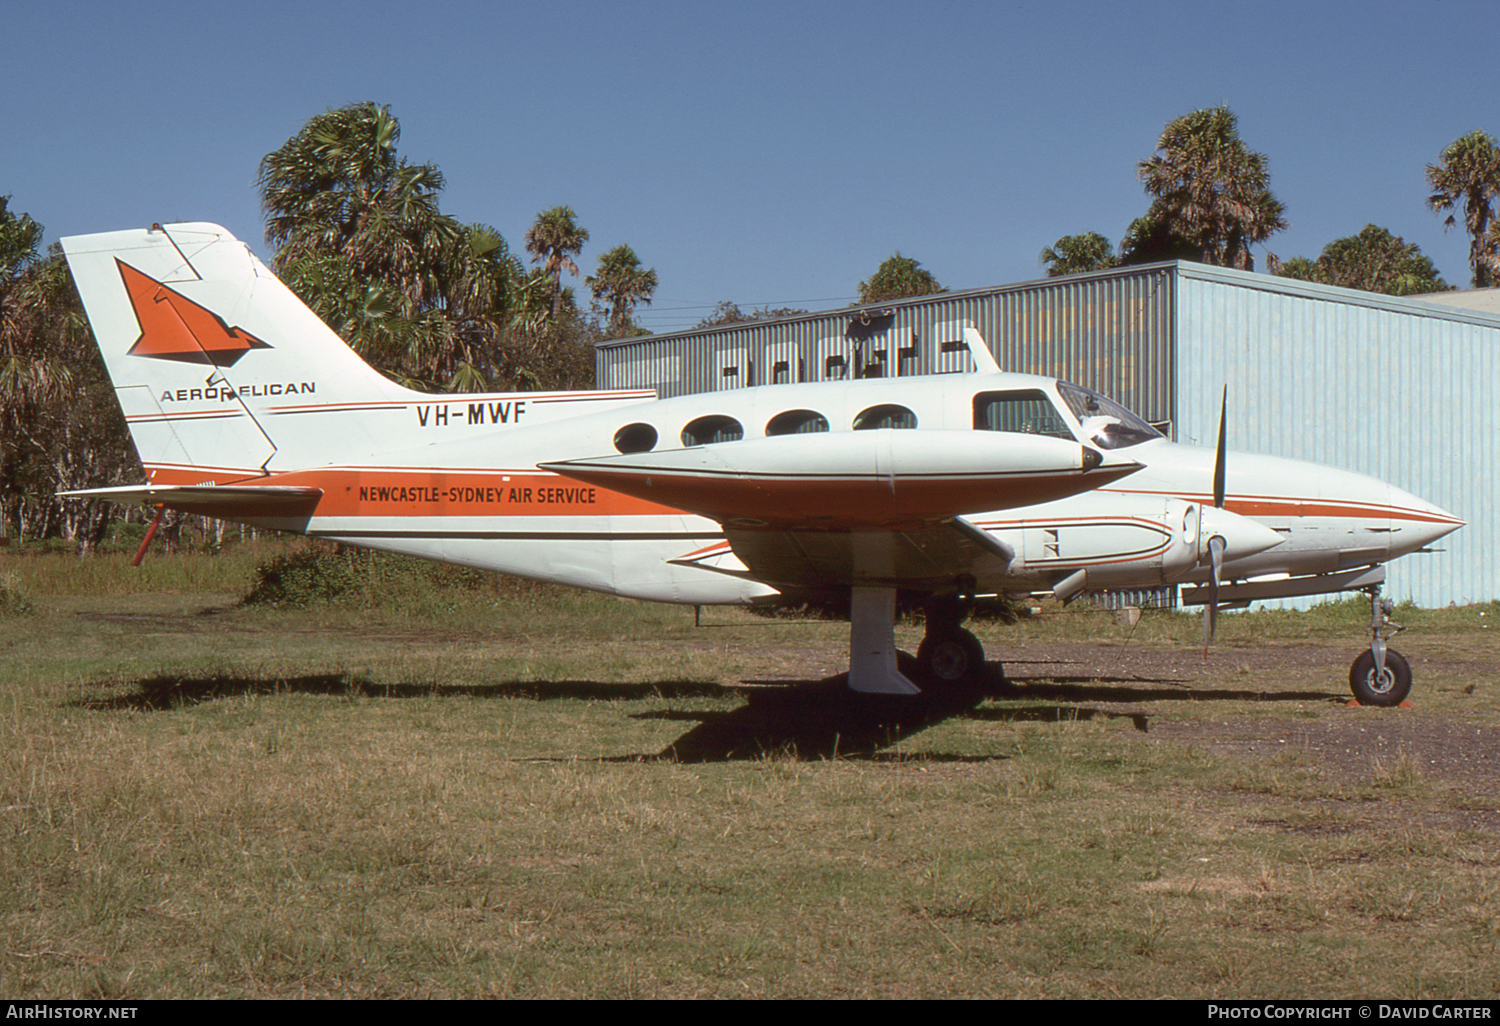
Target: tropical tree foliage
1075	254
338	188
1373	260
1467	178
60	427
1211	197
358	233
553	241
618	285
26	370
898	277
728	312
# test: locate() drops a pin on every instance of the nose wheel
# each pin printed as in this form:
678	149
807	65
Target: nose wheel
1380	676
1388	685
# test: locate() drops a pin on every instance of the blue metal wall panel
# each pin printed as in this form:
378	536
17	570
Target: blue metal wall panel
1397	389
1111	331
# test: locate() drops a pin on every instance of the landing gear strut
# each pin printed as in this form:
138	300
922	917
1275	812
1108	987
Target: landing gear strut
1381	675
949	656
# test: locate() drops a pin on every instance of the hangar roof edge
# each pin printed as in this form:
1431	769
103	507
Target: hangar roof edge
1182	269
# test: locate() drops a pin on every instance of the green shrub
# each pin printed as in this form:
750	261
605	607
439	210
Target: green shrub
14	600
303	578
322	574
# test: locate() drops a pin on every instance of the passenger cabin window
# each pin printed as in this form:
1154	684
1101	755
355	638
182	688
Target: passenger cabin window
1024	411
1105	422
711	429
796	422
885	416
635	438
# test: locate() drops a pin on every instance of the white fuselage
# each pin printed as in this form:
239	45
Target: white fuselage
468	490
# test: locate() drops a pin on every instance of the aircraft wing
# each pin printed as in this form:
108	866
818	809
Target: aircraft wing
877	508
855	480
923	558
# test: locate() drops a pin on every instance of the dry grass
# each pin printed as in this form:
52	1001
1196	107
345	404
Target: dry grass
199	800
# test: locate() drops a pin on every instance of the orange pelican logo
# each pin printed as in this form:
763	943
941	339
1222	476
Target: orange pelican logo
174	327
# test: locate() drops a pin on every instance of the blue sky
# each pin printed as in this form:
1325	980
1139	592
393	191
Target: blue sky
766	153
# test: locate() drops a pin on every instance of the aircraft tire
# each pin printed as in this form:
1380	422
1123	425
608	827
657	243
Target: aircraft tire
1389	688
950	656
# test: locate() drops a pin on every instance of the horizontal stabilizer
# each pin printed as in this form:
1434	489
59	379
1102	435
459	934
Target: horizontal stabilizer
228	501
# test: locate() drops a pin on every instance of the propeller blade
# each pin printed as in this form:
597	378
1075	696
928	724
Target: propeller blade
1211	610
1219	453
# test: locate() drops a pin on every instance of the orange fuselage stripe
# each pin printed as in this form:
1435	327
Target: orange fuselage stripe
469	492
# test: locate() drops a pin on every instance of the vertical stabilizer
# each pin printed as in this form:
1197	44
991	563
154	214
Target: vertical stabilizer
207	350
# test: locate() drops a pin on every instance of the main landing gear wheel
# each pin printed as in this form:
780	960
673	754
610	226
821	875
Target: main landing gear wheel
951	656
1388	687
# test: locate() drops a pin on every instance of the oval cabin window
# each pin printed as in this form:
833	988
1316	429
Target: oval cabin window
797	422
888	415
635	438
711	429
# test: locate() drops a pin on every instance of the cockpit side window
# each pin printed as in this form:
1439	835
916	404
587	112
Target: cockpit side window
1025	411
1105	422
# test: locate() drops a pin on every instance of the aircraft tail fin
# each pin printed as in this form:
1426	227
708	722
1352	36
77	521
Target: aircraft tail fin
207	349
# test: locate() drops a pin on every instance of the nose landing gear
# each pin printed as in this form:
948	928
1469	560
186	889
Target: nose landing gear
1381	675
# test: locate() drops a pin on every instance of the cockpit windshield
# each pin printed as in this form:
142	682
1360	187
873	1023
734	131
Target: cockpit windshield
1105	422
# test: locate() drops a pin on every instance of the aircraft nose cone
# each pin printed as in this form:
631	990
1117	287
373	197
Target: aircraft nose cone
1416	523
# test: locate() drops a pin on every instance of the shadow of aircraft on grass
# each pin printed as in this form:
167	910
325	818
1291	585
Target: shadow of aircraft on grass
819	719
173	691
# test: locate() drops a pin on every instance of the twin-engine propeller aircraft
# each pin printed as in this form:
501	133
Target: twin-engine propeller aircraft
243	405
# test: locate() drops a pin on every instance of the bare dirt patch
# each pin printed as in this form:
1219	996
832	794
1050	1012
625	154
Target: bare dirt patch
1322	728
1135	680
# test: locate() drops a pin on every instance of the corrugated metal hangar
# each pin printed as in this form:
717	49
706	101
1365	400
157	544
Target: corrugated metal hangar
1401	389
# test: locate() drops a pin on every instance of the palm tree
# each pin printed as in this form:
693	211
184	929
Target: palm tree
1075	254
553	242
1468	173
622	283
898	277
1211	195
358	234
337	188
1374	261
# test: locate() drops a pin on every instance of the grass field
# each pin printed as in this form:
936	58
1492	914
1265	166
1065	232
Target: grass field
477	788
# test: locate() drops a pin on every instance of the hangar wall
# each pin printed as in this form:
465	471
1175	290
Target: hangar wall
1397	388
1400	389
1112	331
